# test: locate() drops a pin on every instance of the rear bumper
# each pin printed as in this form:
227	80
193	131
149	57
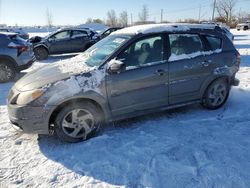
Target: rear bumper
27	65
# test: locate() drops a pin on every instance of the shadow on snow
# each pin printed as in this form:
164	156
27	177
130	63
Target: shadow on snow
185	147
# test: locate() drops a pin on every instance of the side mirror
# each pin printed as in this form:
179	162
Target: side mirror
51	39
116	66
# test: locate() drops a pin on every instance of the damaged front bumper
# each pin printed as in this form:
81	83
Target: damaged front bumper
29	119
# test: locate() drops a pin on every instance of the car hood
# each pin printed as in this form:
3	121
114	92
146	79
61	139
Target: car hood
49	74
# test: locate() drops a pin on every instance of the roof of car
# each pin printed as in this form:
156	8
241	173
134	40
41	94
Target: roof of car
155	28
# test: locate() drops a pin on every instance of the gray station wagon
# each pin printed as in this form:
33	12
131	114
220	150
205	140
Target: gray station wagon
134	71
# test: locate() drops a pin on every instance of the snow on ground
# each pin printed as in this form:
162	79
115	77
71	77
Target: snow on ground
186	147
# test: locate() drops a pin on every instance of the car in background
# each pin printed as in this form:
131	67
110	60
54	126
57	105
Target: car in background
19	31
16	54
243	26
132	72
92	33
62	41
108	31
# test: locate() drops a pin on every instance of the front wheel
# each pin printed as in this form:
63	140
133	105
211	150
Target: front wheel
78	122
216	94
41	53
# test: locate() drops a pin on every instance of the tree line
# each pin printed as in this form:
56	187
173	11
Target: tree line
122	19
225	13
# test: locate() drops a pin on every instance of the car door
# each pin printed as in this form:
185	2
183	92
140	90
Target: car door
144	83
79	40
188	67
60	42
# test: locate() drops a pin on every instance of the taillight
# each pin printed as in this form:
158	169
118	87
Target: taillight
20	48
23	48
238	59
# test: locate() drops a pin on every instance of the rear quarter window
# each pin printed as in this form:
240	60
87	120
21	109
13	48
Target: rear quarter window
215	43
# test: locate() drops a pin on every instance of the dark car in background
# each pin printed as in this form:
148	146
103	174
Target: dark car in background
66	40
132	72
108	31
19	31
16	54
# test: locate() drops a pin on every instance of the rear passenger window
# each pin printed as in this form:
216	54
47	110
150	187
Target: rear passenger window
185	44
214	42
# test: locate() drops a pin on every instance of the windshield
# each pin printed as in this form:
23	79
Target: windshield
99	52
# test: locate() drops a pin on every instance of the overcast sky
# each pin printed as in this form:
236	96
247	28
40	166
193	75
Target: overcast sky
32	12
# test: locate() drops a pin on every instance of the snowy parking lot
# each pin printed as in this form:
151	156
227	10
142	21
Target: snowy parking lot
185	147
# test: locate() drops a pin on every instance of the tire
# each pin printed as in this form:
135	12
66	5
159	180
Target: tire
41	53
216	94
88	46
7	71
78	122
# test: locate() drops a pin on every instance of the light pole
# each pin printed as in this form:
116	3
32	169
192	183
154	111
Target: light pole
214	10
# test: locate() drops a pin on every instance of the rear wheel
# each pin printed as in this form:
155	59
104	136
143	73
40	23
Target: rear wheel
88	46
7	71
78	122
216	94
41	53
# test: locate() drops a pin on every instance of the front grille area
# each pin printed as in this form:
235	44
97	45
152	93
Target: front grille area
16	125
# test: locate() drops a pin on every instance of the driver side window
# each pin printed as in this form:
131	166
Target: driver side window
142	53
62	35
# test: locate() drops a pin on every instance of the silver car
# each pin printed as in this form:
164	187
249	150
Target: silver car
134	71
16	54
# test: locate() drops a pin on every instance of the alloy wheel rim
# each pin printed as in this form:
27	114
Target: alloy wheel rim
78	123
217	94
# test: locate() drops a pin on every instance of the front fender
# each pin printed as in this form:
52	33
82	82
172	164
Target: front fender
41	45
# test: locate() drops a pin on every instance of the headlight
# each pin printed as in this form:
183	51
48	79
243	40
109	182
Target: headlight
29	96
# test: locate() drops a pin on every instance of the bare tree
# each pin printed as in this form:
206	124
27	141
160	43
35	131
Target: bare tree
112	19
225	9
123	19
89	20
144	14
98	21
49	18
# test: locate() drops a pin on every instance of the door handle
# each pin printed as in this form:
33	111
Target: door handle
207	62
160	72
